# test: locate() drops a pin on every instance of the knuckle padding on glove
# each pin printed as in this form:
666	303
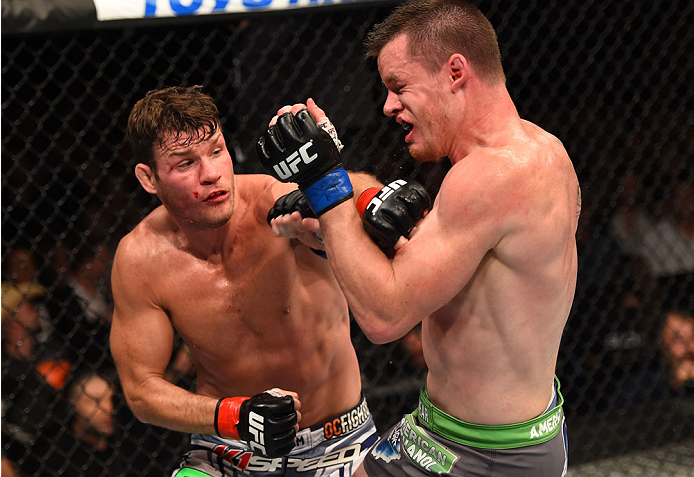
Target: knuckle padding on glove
400	209
382	232
288	126
288	203
396	215
275	139
289	419
307	123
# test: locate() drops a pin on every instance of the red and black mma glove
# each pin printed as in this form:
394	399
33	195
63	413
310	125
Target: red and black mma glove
392	211
297	150
265	421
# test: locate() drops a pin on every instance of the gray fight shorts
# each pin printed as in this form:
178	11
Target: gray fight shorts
334	448
430	442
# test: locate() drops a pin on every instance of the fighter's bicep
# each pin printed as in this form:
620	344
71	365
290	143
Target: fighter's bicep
141	332
450	244
436	265
142	340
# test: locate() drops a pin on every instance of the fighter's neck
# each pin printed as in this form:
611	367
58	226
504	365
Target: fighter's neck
490	120
210	243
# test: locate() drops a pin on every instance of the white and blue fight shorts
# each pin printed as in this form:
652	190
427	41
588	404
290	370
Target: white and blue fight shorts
334	448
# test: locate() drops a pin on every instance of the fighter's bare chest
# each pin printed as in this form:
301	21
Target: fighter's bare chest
202	297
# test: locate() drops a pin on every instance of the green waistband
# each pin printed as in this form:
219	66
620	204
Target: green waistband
188	472
507	436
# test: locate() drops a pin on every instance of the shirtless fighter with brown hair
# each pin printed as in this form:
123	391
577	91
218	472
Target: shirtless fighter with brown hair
256	311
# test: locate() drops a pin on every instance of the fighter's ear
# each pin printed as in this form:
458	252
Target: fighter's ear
146	177
458	70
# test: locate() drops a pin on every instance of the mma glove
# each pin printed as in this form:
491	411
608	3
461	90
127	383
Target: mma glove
288	203
295	201
266	422
296	149
392	211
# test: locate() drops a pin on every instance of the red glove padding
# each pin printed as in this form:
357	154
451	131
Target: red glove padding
226	417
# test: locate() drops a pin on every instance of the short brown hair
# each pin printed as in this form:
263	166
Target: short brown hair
175	110
436	29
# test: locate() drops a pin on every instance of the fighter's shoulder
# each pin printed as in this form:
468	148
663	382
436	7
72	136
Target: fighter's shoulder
140	245
490	186
487	170
544	150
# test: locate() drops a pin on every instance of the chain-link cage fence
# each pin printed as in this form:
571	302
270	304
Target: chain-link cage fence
611	79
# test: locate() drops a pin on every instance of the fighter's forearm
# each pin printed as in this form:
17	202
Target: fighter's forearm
163	404
365	275
362	181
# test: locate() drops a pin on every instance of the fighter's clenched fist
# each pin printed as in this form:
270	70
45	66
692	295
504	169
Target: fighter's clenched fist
267	422
296	149
392	211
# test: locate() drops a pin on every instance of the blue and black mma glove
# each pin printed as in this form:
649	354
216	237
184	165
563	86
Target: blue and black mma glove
296	149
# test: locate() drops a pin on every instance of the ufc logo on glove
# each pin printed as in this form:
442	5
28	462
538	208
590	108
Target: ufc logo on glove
384	193
256	428
289	166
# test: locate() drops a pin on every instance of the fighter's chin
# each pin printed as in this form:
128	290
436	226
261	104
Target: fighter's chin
422	155
210	221
215	222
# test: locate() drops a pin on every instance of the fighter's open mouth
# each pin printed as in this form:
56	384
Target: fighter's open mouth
214	195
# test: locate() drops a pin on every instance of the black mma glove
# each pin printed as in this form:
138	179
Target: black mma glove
392	211
266	422
293	202
297	150
288	203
